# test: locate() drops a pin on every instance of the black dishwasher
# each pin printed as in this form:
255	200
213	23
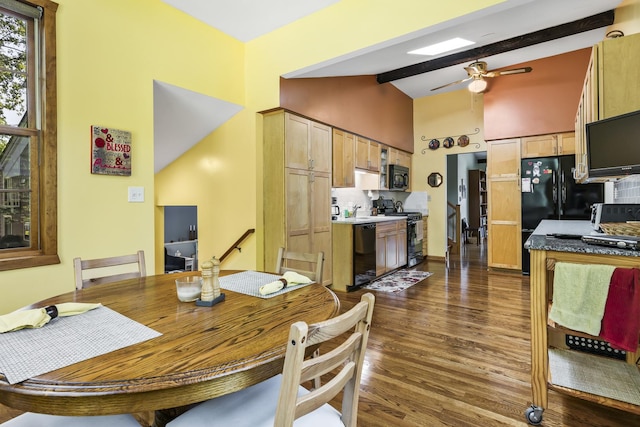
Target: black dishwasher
364	254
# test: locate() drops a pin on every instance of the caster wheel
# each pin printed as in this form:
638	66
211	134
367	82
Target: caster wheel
533	414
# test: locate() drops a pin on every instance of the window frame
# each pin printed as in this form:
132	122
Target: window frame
44	179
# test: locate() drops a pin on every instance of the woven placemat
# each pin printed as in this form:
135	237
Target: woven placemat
610	378
249	282
64	341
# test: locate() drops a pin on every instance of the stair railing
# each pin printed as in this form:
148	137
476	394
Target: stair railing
236	245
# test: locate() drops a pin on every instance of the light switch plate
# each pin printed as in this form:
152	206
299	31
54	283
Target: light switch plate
136	194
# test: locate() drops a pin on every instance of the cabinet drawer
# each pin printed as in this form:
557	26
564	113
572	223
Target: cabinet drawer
383	228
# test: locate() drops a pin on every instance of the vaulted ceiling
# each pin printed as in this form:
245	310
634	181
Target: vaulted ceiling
511	32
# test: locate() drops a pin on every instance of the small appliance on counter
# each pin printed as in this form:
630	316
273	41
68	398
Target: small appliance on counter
335	209
602	213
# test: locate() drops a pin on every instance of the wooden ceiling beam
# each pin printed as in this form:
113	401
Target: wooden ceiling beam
586	24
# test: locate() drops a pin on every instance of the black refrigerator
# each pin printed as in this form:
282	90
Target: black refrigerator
550	192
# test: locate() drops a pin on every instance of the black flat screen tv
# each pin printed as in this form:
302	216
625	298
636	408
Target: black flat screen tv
613	147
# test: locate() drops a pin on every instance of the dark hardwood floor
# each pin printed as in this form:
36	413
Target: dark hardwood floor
453	350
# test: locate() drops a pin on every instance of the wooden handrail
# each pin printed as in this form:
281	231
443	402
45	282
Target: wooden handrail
235	245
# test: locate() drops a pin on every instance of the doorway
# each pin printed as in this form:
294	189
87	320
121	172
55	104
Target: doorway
470	248
180	238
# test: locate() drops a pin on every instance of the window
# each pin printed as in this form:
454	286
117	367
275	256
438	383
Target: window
28	178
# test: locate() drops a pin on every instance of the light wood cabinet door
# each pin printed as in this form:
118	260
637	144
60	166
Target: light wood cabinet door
343	159
404	159
298	210
367	154
362	153
539	146
297	131
618	82
320	147
392	251
307	144
320	204
399	157
504	204
374	156
566	143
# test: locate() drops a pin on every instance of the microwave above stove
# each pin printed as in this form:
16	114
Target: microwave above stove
398	178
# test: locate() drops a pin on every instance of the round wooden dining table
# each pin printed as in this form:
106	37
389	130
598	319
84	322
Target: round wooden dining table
203	352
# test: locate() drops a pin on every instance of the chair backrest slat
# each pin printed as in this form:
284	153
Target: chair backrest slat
349	354
80	265
301	263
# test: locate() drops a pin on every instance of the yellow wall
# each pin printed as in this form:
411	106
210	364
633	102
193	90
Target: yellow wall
439	116
229	198
109	53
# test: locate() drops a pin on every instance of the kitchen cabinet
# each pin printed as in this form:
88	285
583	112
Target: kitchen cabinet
367	154
297	188
504	236
477	202
391	246
611	88
548	145
343	175
399	157
308	144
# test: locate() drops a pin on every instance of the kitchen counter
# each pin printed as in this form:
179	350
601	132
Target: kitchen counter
540	240
367	219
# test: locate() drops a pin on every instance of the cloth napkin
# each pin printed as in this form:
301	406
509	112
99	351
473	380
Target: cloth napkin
621	320
38	317
289	278
579	295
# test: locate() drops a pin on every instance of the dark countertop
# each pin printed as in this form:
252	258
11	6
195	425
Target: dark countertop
540	241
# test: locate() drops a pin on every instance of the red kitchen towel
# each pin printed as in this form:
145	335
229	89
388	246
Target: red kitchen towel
621	320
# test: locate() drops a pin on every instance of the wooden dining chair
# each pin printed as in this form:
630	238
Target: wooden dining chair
258	406
299	261
80	265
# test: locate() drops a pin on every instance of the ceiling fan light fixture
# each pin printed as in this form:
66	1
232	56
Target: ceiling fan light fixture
445	46
477	85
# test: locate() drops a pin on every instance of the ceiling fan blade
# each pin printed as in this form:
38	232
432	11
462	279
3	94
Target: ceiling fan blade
507	72
452	83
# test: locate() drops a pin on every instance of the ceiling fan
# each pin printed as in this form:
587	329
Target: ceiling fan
477	72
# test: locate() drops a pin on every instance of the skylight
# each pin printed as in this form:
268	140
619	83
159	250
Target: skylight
442	47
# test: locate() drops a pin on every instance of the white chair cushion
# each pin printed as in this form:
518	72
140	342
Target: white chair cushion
30	419
252	407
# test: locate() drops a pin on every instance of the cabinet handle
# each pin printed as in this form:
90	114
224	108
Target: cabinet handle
518	176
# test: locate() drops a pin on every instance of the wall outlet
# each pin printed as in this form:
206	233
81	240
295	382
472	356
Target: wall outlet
136	194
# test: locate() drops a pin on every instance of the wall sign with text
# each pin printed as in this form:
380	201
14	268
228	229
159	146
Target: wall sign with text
110	151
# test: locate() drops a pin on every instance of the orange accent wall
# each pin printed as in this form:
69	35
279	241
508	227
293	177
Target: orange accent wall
541	102
357	104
